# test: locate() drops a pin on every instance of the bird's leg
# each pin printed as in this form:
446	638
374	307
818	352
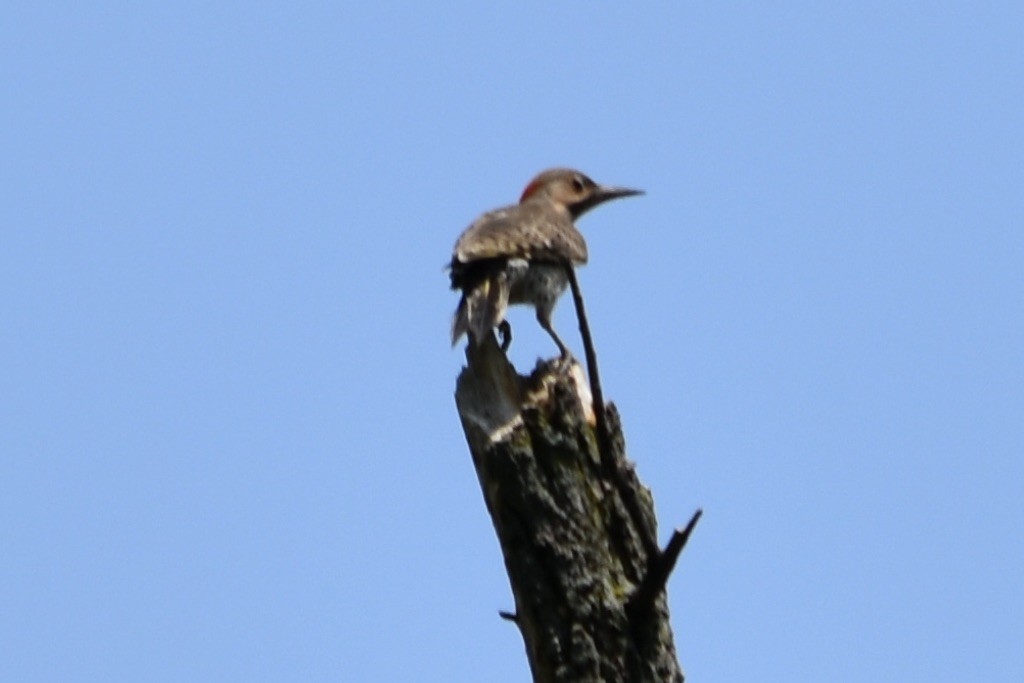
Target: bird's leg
544	318
505	332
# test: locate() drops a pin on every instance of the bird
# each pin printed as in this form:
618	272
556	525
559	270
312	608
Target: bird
518	254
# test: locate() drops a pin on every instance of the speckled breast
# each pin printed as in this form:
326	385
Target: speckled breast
539	284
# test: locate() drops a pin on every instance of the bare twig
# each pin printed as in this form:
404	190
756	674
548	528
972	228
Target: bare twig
604	439
659	570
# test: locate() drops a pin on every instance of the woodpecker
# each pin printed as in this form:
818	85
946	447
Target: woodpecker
517	254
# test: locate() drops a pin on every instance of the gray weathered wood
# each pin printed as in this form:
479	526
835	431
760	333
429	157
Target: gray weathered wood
574	548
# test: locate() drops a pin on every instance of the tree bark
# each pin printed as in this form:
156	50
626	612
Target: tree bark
576	526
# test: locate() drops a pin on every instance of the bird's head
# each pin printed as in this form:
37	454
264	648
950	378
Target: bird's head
573	190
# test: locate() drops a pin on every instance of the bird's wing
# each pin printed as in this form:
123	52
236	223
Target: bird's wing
532	232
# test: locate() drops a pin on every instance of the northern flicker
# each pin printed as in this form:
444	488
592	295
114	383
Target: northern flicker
517	254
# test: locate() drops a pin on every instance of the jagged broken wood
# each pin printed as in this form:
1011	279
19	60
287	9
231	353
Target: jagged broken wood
575	524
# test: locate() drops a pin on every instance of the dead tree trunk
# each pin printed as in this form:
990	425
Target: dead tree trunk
576	526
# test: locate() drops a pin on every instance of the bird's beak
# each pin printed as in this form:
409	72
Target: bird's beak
606	192
602	194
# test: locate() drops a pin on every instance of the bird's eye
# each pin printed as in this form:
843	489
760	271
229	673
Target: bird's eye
578	184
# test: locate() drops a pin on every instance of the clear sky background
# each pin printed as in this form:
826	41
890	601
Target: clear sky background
228	444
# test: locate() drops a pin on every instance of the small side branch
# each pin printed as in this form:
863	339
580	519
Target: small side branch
660	568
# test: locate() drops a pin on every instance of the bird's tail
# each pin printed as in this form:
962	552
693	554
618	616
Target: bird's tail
481	309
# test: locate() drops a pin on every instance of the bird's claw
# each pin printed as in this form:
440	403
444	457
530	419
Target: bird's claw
505	332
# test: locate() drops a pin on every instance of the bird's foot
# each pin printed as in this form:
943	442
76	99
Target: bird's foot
505	332
565	357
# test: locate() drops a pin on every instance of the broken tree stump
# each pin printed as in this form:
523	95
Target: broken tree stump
576	526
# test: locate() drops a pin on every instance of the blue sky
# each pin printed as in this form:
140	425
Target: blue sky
229	444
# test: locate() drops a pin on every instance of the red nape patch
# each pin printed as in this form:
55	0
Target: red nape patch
534	185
